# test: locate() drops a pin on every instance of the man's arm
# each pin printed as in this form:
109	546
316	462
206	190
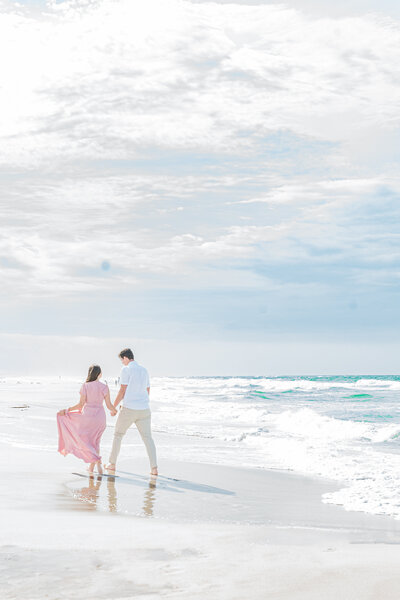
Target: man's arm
120	395
148	391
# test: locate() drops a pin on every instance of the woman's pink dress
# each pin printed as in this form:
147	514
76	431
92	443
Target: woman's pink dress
79	433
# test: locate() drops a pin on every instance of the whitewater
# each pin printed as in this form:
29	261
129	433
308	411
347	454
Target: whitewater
344	428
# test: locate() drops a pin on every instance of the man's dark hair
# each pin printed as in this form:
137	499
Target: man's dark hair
126	352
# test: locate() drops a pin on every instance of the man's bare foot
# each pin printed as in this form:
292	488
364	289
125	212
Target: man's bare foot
99	468
154	471
110	467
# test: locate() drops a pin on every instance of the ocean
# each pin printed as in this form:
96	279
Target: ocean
343	428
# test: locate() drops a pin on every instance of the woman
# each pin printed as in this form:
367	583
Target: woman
80	427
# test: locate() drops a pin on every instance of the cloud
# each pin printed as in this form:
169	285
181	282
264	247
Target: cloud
202	147
105	79
55	243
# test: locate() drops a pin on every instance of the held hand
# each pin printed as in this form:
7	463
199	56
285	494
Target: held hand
113	412
62	413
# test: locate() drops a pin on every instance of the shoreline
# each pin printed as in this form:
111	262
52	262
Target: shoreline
209	493
271	431
200	530
271	497
225	532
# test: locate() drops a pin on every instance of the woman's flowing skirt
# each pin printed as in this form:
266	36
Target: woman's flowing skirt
80	433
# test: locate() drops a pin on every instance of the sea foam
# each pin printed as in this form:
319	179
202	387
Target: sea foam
343	428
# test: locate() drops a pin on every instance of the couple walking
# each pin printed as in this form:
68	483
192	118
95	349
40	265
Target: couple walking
80	427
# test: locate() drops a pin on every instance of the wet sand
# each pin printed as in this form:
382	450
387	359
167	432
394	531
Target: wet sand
197	530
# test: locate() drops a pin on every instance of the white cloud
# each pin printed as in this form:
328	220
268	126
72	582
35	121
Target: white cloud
55	243
195	146
106	78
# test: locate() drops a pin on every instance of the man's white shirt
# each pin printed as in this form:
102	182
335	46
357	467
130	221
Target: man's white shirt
137	379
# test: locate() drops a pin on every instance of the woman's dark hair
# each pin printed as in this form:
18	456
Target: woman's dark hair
93	373
126	352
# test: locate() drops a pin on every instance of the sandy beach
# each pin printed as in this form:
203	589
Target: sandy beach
199	208
197	530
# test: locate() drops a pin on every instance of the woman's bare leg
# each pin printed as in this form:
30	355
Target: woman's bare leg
99	468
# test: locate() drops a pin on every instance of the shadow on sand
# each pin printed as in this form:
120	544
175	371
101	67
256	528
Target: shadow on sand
118	496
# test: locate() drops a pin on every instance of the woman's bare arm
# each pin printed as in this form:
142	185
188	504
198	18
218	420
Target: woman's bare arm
78	406
109	405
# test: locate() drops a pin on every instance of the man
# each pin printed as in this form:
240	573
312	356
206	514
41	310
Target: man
134	391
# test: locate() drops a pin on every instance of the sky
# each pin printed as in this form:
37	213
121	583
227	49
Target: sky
214	184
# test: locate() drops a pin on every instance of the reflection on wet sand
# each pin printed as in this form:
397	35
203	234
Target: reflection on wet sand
112	495
149	497
90	495
134	494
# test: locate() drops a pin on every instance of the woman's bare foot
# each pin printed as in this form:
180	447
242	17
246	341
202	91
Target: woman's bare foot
154	471
99	468
110	467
